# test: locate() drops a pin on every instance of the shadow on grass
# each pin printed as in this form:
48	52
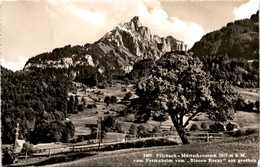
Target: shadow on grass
61	159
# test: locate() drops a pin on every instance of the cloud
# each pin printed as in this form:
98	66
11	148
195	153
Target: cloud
161	24
14	66
104	16
246	10
73	7
72	22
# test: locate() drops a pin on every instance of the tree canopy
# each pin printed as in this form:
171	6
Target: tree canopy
177	86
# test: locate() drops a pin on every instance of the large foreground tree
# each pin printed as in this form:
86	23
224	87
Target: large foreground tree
177	86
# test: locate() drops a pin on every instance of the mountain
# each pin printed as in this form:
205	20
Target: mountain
115	53
239	39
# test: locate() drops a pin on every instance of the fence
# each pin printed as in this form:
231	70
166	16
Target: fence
200	136
192	136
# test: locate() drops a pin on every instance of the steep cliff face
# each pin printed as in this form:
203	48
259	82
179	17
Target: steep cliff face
116	51
139	41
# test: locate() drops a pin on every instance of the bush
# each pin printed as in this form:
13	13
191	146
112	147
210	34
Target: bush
257	105
123	113
80	107
128	96
239	133
251	131
124	90
113	100
90	106
130	145
118	128
155	129
122	146
9	156
250	107
203	125
240	106
107	100
133	129
194	127
213	128
230	126
101	86
196	119
150	143
108	148
141	131
139	144
27	148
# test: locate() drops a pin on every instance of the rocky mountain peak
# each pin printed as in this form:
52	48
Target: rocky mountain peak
139	41
135	22
117	50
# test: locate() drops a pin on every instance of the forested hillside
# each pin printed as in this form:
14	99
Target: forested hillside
38	101
239	39
232	53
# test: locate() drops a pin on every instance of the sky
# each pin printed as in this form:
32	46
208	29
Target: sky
29	28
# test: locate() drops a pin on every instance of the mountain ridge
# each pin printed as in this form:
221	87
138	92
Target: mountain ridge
238	39
117	50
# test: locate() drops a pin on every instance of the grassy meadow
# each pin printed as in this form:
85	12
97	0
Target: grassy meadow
247	146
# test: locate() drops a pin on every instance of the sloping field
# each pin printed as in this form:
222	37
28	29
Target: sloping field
248	94
89	116
233	153
247	120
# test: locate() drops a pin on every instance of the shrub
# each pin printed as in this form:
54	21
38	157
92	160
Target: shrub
9	156
27	148
257	105
107	100
90	106
250	107
101	86
124	90
251	131
118	128
196	119
108	148
128	96
122	146
150	143
194	127
203	125
155	129
123	113
133	129
80	107
239	133
130	145
213	128
141	131
240	106
230	126
113	100
139	144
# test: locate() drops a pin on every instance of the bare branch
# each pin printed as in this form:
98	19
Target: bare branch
193	115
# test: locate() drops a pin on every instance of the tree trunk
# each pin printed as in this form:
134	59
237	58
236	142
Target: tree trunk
181	132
